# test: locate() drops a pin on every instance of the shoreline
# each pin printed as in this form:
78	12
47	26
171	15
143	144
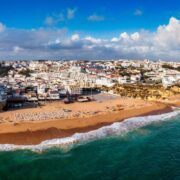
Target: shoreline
33	133
117	128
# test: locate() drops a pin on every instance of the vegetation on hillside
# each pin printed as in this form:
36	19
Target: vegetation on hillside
167	66
147	92
26	72
4	70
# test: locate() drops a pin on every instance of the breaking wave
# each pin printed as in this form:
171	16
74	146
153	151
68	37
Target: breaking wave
117	128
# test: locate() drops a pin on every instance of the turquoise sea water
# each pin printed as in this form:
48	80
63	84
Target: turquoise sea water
151	152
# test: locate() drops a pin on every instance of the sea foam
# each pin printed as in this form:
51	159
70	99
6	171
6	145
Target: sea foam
117	128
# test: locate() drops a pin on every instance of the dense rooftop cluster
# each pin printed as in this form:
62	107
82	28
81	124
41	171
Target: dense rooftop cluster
39	80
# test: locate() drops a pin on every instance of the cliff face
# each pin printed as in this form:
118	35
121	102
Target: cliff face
175	89
149	92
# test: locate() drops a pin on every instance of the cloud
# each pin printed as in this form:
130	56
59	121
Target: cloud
75	37
50	21
138	12
168	36
53	43
55	18
135	36
96	17
71	13
2	27
17	49
93	40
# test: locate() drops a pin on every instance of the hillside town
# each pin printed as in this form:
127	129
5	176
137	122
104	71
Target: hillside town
45	80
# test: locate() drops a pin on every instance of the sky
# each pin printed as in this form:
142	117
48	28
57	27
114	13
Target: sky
90	29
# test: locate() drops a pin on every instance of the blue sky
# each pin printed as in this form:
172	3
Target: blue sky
104	19
119	15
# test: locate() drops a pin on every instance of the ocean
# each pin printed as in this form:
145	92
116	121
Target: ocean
149	152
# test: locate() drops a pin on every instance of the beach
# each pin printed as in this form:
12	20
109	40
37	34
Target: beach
75	118
108	151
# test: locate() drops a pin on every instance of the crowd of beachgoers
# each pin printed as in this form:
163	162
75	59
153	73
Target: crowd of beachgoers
61	114
35	116
59	111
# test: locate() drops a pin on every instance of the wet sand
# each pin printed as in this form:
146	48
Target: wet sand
28	133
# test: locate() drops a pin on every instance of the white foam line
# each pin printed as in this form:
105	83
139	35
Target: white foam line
114	129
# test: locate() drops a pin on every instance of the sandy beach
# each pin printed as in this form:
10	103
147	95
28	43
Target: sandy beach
76	117
172	101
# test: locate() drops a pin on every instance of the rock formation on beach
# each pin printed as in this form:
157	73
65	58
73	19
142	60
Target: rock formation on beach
147	92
